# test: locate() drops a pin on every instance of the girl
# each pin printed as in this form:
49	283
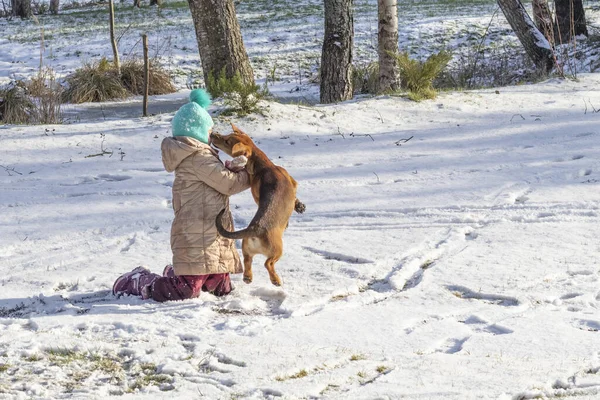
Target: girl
202	260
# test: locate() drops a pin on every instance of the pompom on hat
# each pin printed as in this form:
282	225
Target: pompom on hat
192	119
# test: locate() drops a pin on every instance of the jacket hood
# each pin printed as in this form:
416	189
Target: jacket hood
176	149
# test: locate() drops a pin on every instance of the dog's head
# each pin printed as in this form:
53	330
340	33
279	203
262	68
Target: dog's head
234	144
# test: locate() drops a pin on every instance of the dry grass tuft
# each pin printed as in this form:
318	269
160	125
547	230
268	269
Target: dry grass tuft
15	105
132	78
95	82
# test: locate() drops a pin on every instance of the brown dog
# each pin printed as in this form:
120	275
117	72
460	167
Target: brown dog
274	190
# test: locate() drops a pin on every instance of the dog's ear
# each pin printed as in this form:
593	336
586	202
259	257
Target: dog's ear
240	149
236	129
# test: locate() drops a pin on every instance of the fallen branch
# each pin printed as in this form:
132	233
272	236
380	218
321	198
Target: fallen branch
102	149
362	134
591	105
9	170
397	143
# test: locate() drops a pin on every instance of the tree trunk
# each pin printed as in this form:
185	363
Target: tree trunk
570	20
137	3
21	8
54	6
387	40
113	41
219	39
336	56
536	45
543	19
156	3
146	75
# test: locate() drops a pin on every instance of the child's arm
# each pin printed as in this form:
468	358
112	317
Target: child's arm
213	172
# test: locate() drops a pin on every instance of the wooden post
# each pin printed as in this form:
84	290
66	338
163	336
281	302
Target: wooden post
111	11
146	73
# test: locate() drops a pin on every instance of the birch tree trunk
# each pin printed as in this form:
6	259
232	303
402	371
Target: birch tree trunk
536	45
336	56
219	39
387	42
570	20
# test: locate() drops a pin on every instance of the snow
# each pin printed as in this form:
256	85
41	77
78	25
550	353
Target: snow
460	264
449	249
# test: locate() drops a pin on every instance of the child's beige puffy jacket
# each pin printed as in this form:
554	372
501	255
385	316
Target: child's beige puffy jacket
201	189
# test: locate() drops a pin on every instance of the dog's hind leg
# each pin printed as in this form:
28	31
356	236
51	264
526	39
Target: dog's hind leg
270	265
248	255
276	251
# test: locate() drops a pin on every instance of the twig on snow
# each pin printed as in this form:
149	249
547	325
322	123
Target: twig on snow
522	117
591	105
102	149
9	170
397	143
378	181
362	134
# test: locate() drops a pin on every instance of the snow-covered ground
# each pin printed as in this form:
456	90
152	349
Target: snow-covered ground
463	263
283	39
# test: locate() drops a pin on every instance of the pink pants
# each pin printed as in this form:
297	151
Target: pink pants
188	286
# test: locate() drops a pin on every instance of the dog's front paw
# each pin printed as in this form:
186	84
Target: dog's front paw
247	279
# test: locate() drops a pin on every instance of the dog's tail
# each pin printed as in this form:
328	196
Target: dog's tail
250	231
299	207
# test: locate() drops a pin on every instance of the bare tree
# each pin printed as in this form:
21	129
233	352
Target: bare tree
570	19
220	40
336	56
387	40
536	45
21	8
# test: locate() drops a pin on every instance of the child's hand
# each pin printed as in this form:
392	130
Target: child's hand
236	164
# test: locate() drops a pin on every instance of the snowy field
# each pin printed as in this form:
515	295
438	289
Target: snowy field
449	249
283	39
460	264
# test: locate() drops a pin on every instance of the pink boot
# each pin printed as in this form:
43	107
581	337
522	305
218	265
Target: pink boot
134	283
218	284
169	271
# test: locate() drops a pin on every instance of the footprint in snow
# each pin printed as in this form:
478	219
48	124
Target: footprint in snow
452	345
587	325
338	257
497	299
112	178
482	326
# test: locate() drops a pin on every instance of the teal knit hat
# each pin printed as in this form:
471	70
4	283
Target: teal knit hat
192	119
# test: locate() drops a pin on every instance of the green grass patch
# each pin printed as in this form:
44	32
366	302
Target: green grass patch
418	76
64	356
